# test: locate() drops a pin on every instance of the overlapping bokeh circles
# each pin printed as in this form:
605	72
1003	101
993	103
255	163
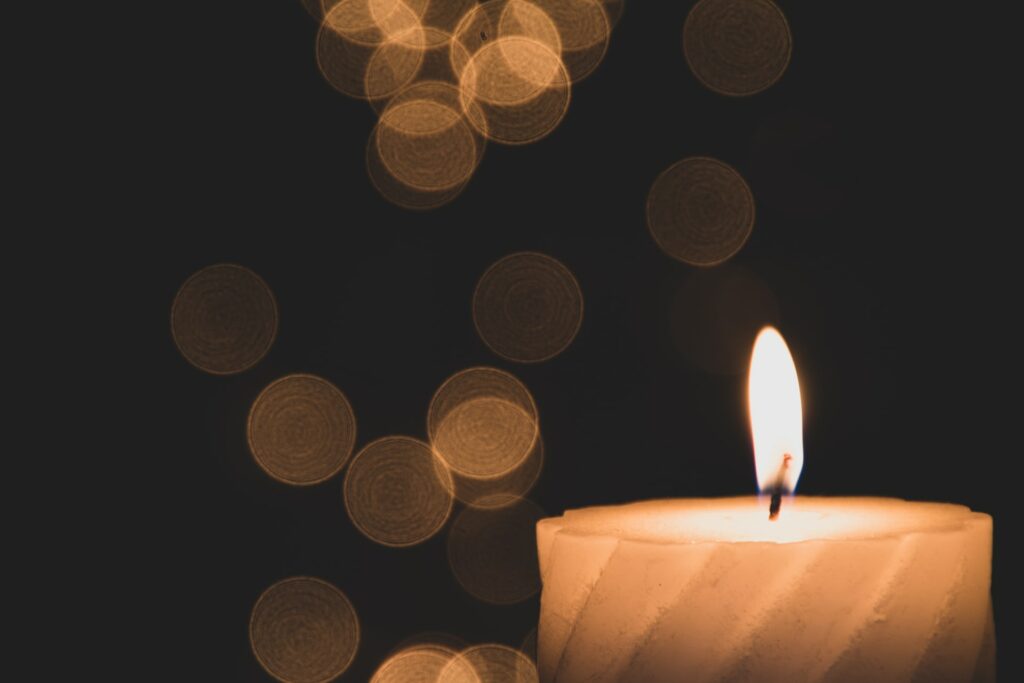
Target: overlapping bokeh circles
493	551
495	19
423	152
416	664
489	663
503	490
362	47
700	211
515	90
301	430
395	494
737	47
511	62
528	307
224	319
304	630
483	423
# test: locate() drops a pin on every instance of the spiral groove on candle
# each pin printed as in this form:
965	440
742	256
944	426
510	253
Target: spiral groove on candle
528	307
501	18
584	29
301	429
224	319
304	630
625	603
512	63
700	211
737	47
438	640
493	552
395	494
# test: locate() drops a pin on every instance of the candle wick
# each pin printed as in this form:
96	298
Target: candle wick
776	502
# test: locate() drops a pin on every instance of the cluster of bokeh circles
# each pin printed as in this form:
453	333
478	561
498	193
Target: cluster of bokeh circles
480	455
448	76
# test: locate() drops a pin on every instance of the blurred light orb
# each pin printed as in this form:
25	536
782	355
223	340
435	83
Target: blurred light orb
584	29
422	153
417	664
700	211
426	145
503	490
482	423
304	630
485	437
395	494
489	663
737	47
528	307
301	430
224	319
515	90
493	552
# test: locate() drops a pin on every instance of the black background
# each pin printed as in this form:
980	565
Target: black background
890	285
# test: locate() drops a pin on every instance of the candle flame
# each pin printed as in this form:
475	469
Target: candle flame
776	416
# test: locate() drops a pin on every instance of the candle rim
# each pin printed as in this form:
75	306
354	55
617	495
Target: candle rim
919	517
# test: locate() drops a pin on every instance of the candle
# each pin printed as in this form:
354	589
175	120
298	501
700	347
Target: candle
769	588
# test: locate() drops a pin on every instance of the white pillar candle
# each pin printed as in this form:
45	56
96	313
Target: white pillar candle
865	590
829	590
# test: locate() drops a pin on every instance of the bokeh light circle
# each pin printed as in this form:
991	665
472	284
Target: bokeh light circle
224	319
584	28
489	663
737	47
700	211
394	493
500	491
528	307
417	664
482	423
493	552
515	90
304	630
301	429
495	19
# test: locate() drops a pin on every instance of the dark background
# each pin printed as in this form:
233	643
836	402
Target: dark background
891	286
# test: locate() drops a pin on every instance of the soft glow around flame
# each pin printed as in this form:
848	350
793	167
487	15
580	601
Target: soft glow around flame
776	418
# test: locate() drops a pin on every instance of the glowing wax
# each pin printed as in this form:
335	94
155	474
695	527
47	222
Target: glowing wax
836	590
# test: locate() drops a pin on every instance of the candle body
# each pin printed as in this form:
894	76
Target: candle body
837	590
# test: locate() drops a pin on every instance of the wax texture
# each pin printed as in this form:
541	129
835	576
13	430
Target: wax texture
849	590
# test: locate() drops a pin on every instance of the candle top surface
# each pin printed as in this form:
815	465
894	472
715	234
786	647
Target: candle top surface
745	519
